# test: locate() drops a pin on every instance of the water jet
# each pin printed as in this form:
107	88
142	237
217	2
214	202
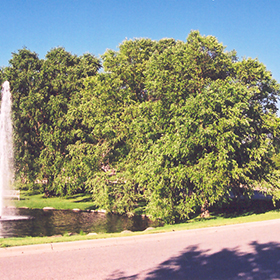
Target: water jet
6	145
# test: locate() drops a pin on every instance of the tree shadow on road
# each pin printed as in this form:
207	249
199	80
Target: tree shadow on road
194	263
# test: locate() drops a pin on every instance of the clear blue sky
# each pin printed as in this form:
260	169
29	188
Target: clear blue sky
251	27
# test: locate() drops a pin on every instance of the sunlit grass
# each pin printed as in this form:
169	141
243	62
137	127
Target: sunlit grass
39	201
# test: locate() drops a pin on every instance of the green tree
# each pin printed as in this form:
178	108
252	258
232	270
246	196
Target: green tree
115	115
205	127
219	132
42	91
28	111
167	129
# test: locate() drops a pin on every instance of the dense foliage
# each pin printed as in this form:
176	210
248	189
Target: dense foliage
166	128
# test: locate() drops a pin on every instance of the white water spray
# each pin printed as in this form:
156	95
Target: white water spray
6	144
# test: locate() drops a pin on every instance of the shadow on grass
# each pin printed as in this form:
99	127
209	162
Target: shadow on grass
88	199
243	208
79	198
263	262
24	198
93	207
233	209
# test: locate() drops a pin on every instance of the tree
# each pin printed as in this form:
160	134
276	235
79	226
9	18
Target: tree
167	129
62	77
24	77
114	111
205	128
42	91
220	129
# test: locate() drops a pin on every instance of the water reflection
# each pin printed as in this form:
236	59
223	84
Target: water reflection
56	222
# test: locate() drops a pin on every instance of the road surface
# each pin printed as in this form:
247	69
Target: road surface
244	251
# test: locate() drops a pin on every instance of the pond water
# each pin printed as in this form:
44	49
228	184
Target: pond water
38	222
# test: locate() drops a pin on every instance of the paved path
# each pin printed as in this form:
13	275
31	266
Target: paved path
245	251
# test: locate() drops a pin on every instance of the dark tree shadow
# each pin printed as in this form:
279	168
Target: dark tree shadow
193	263
245	207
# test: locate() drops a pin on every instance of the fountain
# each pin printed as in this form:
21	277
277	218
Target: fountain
6	161
6	145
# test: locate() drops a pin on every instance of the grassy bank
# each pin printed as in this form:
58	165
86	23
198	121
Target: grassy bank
238	214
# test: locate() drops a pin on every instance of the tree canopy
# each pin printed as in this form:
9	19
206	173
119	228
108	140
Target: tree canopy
166	128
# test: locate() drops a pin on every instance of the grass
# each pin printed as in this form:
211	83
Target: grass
234	214
39	201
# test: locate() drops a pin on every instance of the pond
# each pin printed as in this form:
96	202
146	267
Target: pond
37	222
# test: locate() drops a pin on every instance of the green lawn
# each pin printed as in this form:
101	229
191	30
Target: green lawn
39	201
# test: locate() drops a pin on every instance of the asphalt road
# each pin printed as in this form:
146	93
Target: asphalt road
245	251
